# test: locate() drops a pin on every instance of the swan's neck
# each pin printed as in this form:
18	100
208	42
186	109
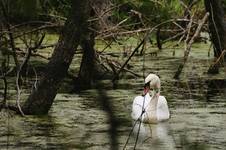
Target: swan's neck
152	109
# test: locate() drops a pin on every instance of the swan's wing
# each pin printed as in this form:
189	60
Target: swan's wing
163	110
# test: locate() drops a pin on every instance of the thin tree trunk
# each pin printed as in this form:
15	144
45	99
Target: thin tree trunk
217	30
158	38
91	68
41	98
87	67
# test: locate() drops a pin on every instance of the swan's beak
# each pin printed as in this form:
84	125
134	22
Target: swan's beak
146	90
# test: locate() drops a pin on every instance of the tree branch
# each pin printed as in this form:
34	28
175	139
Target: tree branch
12	43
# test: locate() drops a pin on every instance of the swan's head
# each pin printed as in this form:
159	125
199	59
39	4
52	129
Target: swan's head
152	84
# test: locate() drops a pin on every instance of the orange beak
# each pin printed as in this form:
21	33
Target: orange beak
146	90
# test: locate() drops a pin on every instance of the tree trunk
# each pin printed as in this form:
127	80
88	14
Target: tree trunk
91	68
41	98
217	30
85	76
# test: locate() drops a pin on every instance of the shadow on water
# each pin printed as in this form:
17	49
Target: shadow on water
105	102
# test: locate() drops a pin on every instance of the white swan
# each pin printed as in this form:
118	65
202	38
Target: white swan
155	108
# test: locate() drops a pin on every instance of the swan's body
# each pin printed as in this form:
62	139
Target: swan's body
155	108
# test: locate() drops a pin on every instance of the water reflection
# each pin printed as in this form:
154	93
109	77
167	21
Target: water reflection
77	121
38	132
155	134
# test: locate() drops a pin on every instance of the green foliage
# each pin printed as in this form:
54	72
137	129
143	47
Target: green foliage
22	10
154	11
56	7
224	5
26	10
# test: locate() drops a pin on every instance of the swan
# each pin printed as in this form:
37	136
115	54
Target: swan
150	108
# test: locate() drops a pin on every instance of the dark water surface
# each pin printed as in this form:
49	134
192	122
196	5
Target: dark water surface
197	105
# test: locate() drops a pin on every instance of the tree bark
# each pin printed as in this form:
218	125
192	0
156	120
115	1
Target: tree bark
42	97
87	66
91	68
217	29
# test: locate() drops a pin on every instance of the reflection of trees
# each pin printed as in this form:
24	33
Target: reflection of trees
27	133
186	144
155	134
101	101
215	87
158	136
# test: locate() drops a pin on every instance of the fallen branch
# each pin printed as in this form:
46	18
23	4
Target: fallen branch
133	73
12	107
188	44
134	51
113	66
33	54
149	31
21	52
113	34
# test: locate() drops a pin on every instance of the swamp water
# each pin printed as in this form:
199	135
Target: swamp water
197	104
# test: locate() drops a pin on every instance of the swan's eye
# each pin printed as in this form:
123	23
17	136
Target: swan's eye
146	85
155	89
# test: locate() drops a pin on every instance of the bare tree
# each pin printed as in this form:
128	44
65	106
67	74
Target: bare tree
42	97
